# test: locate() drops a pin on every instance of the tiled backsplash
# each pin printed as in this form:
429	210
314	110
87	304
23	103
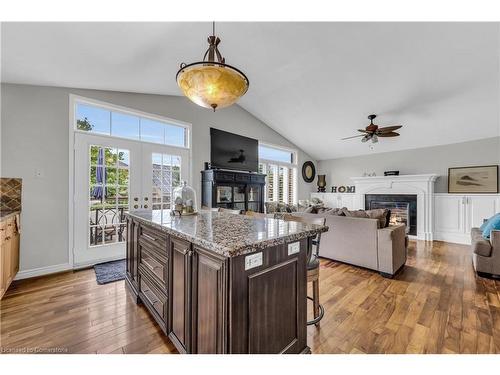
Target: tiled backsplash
10	194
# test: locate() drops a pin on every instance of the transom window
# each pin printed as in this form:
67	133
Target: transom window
99	120
279	165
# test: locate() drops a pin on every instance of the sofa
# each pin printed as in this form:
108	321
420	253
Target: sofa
486	252
360	242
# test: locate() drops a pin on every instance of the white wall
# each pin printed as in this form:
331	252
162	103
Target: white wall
35	135
418	161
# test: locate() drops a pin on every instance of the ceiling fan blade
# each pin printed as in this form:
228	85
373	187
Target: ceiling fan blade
354	136
363	131
387	129
366	138
390	134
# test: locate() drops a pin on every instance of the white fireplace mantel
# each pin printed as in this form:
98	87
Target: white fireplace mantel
421	185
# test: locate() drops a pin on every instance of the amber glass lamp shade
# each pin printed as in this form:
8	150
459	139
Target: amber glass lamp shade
212	84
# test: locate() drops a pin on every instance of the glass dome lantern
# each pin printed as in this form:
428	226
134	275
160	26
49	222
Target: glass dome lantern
184	199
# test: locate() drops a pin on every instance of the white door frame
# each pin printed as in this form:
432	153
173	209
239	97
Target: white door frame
73	100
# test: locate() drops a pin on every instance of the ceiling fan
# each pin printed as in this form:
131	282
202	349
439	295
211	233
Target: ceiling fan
372	131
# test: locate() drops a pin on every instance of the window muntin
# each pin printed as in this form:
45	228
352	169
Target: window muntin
108	194
95	119
281	182
166	177
279	164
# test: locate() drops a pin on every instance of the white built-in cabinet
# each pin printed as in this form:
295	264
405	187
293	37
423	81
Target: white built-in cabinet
455	215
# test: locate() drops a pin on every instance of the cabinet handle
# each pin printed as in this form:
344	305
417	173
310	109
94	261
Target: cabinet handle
149	265
149	237
151	300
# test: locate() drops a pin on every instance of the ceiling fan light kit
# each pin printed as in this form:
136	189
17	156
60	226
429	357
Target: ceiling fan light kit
212	83
373	132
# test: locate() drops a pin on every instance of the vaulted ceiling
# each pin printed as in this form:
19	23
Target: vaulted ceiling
312	82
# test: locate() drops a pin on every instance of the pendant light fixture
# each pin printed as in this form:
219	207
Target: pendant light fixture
212	83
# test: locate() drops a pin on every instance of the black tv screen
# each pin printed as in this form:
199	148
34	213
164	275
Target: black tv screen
233	151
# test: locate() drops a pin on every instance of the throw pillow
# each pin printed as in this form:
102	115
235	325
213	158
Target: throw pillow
483	225
492	224
308	209
380	214
358	213
336	212
271	207
387	219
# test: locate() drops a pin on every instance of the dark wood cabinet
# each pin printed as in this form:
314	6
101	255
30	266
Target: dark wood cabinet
209	303
233	190
210	300
180	293
132	255
269	303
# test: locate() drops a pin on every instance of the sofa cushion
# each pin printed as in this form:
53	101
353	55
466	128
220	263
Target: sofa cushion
479	244
336	212
358	213
492	224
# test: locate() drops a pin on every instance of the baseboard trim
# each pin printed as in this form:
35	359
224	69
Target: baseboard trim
88	264
42	271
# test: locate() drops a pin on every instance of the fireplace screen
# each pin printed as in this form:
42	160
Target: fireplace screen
400	212
403	208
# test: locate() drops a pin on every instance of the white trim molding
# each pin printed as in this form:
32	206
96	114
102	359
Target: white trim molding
42	271
420	185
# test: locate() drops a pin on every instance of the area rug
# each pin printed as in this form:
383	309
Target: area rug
110	271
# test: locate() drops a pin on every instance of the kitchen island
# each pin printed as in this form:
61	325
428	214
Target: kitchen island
218	282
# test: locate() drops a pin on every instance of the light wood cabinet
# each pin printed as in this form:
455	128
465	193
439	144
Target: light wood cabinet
9	253
455	215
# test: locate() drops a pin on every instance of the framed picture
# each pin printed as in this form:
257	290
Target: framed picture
481	179
308	171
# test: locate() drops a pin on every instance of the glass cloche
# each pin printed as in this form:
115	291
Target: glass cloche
184	200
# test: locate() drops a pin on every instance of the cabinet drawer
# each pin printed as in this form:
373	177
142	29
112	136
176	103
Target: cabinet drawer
153	298
180	245
155	264
154	238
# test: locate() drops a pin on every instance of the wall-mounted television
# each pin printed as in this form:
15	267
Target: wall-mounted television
233	151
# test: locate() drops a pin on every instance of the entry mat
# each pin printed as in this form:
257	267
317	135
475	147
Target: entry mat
110	271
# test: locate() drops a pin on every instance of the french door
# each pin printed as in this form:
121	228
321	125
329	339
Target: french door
113	176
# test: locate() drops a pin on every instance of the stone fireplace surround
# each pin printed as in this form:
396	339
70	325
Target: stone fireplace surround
420	185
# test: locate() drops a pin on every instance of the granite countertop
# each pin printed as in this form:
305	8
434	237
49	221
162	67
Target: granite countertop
4	215
228	234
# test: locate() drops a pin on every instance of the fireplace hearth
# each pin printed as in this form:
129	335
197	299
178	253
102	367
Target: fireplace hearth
403	208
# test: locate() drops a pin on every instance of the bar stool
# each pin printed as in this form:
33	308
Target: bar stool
312	265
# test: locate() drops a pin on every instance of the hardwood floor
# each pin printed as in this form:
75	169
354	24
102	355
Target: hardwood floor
436	305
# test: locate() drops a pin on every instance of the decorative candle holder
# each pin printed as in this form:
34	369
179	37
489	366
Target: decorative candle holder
321	183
